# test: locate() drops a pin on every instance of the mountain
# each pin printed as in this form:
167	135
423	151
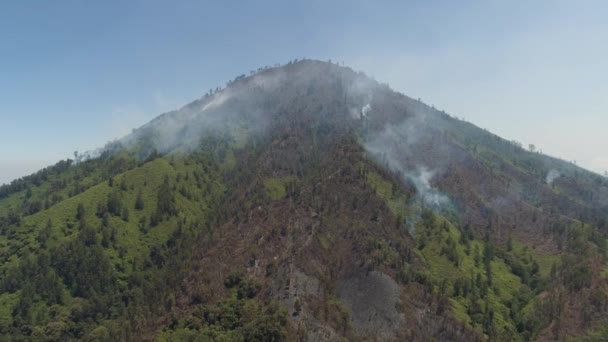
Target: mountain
305	202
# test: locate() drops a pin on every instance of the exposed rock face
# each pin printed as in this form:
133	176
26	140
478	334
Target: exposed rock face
292	287
275	191
291	283
373	301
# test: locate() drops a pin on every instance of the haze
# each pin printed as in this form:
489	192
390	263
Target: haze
76	75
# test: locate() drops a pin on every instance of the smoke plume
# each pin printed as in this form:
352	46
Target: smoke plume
552	176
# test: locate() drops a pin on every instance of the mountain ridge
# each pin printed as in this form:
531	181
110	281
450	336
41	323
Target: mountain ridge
271	208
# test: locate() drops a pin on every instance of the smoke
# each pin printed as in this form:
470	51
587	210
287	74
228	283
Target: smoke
393	148
365	110
248	106
552	175
422	182
84	156
360	113
217	100
360	94
238	110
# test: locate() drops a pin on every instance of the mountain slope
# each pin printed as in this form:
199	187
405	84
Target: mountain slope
309	202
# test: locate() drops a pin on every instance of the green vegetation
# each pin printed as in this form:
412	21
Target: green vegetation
395	197
140	244
278	187
481	286
492	289
240	318
93	262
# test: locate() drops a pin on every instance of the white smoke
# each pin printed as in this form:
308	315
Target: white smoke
236	110
422	182
552	176
365	110
360	93
392	147
217	100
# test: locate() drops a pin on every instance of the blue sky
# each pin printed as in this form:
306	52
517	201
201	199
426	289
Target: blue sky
76	74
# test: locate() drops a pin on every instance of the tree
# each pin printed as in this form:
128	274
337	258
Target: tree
82	221
142	225
102	209
139	201
105	236
114	204
516	143
80	211
13	217
488	256
45	233
125	214
532	147
22	310
166	200
123	184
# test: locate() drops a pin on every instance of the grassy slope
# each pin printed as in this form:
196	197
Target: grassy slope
147	178
505	284
132	244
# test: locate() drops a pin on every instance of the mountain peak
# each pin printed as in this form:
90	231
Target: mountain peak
305	201
251	104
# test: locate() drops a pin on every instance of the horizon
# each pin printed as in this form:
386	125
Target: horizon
95	73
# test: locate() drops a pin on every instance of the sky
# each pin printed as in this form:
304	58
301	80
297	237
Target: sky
77	74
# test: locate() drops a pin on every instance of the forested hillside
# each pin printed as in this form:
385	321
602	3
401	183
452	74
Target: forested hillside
305	202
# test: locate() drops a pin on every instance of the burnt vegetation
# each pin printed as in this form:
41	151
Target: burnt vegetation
265	229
